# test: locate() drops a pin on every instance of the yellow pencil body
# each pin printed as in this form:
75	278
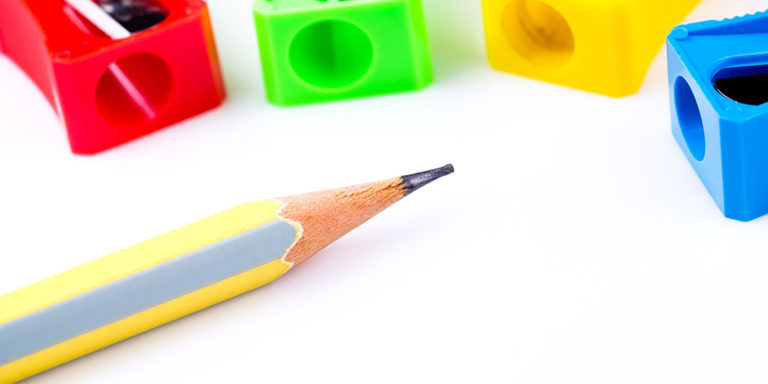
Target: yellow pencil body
111	299
108	300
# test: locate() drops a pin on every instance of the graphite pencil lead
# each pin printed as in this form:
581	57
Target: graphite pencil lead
417	180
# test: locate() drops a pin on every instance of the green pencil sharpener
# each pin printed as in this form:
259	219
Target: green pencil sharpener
322	50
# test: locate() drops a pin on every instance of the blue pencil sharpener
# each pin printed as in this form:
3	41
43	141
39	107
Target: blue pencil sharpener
718	78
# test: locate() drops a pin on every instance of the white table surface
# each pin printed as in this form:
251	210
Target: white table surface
574	244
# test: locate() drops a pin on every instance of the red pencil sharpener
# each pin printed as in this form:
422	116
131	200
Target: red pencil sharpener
107	91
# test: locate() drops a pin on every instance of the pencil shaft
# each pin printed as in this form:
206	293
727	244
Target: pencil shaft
142	287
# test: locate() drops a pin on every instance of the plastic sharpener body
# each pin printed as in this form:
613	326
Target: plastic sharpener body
718	79
600	46
314	51
108	92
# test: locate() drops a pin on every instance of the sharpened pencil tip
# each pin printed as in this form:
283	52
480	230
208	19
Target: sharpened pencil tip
417	180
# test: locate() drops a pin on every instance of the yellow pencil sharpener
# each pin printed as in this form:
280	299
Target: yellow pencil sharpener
601	46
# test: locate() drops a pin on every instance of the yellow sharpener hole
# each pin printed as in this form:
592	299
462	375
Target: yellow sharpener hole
538	32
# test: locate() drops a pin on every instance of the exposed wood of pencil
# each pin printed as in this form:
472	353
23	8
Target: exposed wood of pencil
328	215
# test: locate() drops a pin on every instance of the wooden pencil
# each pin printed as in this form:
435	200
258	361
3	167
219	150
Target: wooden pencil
121	295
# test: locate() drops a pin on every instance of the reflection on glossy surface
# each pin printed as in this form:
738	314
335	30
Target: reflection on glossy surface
135	15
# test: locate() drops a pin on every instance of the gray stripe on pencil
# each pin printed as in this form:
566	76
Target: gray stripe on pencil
144	290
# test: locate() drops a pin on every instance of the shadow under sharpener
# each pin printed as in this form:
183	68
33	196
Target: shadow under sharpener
317	50
718	78
106	91
600	46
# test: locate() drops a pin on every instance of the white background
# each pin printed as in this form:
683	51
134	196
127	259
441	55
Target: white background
574	244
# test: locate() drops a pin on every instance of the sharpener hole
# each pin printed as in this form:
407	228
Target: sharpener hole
689	118
538	32
134	89
745	85
331	54
135	15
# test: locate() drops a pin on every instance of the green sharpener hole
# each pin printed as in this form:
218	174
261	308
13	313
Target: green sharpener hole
331	53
